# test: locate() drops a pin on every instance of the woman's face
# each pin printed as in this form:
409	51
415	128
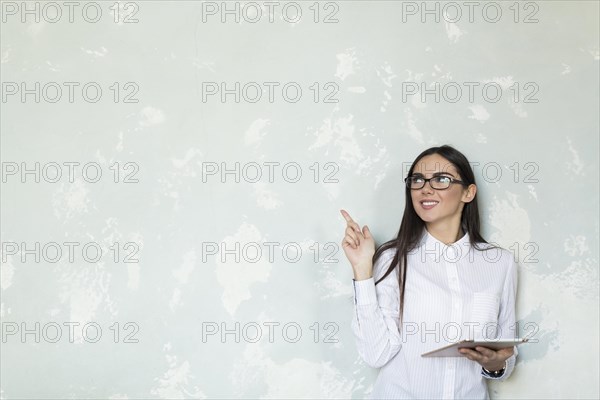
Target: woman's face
448	203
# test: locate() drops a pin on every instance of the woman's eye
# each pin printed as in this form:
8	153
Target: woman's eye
443	179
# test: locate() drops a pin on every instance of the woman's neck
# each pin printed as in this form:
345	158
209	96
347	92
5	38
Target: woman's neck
445	234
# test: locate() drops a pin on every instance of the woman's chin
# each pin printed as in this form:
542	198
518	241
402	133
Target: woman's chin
426	217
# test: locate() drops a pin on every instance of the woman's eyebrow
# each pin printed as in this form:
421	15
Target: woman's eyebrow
434	174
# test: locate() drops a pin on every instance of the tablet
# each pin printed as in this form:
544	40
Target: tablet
451	350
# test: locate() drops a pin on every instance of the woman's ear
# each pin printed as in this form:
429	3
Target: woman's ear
470	193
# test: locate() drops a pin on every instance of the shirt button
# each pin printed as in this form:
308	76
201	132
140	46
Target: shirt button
450	254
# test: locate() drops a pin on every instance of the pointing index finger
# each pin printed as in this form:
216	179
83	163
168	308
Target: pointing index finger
346	216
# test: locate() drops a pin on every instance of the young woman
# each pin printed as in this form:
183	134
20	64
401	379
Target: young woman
437	282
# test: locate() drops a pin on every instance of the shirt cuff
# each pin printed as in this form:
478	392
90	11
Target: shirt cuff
364	292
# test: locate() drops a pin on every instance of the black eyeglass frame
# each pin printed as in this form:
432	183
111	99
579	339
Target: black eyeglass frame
425	181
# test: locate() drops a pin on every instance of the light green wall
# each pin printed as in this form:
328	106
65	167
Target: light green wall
361	145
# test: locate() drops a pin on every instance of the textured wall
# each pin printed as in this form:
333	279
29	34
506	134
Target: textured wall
146	269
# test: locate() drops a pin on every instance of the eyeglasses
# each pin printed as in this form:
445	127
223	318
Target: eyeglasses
440	182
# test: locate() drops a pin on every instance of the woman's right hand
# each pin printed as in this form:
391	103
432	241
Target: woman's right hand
359	248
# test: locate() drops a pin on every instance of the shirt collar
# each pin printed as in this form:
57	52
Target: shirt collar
438	251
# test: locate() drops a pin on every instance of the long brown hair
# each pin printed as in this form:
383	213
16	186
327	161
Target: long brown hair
412	226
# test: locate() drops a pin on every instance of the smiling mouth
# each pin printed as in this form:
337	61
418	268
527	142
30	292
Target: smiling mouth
427	204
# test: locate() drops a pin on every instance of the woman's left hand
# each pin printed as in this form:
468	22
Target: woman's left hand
492	360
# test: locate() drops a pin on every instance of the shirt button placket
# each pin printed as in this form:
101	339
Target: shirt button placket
448	257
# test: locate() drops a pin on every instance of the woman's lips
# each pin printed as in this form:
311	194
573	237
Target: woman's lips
428	204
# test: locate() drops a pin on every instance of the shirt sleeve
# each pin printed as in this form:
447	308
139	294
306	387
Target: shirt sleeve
375	323
506	318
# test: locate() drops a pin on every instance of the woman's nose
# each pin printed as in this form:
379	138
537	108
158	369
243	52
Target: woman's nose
427	188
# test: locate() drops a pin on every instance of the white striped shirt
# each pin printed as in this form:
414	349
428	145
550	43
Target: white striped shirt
452	293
